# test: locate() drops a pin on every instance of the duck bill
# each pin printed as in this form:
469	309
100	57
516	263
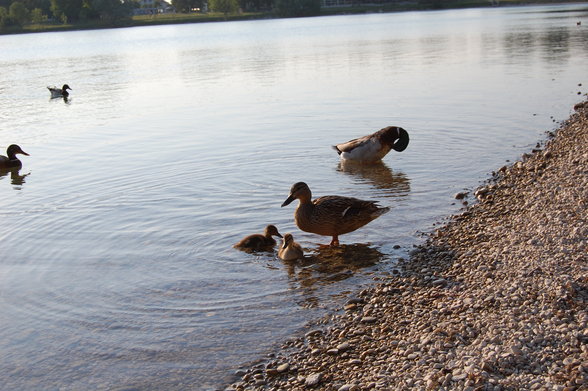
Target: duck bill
24	153
288	201
402	142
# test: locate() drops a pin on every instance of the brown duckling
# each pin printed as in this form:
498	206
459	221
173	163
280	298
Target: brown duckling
290	250
11	160
258	242
374	147
331	215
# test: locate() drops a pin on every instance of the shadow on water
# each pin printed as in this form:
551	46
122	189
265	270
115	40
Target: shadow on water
379	175
15	177
328	265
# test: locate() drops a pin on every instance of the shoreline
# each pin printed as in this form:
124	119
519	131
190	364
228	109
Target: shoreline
181	18
495	299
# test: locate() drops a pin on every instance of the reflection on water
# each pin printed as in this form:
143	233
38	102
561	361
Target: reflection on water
16	178
327	265
378	175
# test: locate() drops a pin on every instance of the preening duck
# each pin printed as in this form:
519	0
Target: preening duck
375	146
59	92
290	250
11	160
331	215
257	242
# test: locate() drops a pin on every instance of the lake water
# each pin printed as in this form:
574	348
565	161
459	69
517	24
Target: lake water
116	263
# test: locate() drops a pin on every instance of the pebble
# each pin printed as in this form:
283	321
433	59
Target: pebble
283	368
312	380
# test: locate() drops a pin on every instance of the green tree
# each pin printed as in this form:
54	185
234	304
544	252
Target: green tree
225	6
66	10
3	17
293	8
19	13
112	11
37	16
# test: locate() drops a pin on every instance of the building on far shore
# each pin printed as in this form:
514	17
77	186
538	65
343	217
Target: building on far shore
154	7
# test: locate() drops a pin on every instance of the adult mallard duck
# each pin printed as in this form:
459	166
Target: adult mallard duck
331	215
59	92
375	146
290	250
258	242
11	160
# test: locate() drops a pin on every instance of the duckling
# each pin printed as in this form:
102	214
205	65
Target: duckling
12	160
59	92
375	146
331	215
290	250
258	242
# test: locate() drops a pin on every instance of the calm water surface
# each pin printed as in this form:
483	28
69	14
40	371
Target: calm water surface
116	265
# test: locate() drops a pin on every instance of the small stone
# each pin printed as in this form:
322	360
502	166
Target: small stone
343	346
439	282
283	368
369	319
313	333
460	195
313	379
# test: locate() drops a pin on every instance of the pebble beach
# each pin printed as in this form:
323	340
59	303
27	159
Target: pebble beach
495	299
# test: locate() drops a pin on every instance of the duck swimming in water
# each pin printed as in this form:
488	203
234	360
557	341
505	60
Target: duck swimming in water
257	242
59	92
374	147
11	160
331	215
290	250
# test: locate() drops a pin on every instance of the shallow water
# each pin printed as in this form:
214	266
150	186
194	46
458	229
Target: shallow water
116	263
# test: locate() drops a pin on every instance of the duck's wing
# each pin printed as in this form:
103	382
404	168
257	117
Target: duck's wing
351	144
345	207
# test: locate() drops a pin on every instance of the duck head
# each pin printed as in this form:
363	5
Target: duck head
65	87
271	230
14	150
288	238
397	137
299	190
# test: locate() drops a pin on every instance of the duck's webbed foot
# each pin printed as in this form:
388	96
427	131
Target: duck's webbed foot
335	241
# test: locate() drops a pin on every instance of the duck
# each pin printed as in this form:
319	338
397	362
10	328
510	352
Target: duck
59	92
11	160
258	242
290	250
374	147
331	215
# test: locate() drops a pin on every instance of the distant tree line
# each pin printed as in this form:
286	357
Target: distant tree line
15	14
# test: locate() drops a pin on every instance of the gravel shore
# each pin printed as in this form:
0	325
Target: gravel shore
496	299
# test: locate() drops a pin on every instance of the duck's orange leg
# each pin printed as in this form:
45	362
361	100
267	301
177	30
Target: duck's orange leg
335	241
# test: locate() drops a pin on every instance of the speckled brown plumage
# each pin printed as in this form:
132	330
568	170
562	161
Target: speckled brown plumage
331	215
